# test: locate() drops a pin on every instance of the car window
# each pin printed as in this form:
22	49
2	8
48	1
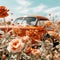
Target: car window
26	21
41	23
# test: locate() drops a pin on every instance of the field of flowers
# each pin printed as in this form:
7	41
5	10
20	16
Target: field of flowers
29	43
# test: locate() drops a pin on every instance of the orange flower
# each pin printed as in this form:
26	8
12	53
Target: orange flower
35	52
58	23
48	23
3	12
25	39
30	50
16	45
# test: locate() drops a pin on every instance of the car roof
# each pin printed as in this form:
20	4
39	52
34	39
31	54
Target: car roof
41	18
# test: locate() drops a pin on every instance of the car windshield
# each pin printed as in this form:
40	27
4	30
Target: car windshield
41	23
25	21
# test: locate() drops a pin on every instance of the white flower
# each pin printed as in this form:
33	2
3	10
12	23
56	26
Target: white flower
25	39
1	32
35	52
48	57
16	45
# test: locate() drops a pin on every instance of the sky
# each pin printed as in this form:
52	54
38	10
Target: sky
32	7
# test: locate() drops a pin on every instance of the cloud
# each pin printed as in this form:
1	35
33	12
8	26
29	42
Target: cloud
39	8
23	8
53	9
57	13
31	10
24	2
25	11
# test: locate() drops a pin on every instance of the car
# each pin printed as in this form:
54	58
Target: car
29	26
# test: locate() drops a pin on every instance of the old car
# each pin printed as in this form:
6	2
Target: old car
30	26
